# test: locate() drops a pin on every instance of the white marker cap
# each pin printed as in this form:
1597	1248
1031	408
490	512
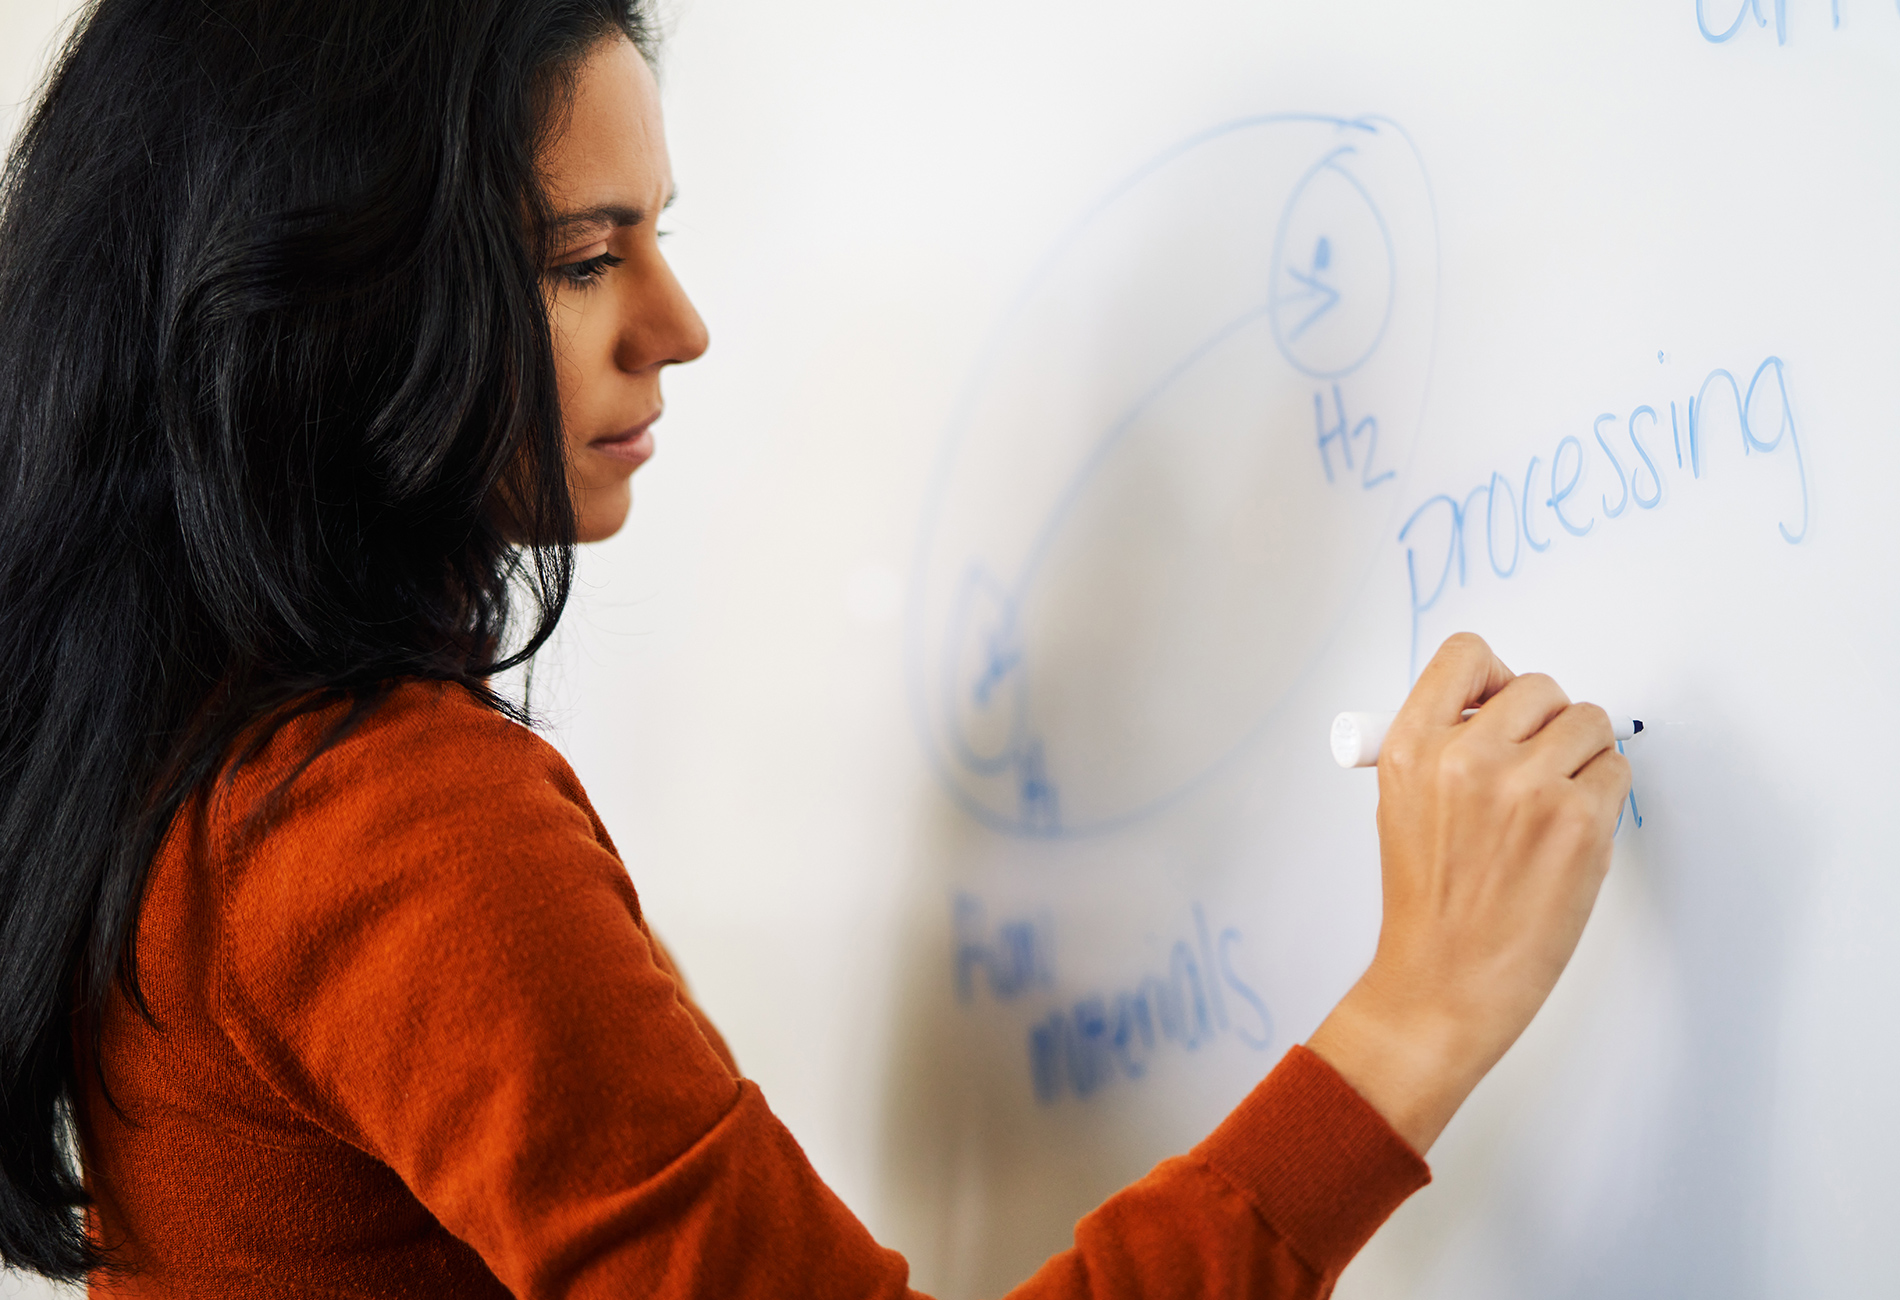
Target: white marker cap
1356	738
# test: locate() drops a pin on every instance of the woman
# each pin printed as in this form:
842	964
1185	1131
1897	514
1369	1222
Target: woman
333	325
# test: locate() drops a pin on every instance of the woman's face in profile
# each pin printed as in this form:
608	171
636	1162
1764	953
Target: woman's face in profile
618	315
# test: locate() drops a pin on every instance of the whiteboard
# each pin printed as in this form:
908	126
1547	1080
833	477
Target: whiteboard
1099	401
1102	397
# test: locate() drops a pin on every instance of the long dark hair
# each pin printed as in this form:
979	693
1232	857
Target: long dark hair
278	426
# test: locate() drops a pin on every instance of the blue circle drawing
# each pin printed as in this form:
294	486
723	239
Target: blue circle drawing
1330	308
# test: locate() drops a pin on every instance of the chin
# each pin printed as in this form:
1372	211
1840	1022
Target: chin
599	515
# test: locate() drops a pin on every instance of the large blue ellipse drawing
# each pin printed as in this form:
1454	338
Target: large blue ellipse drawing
1169	470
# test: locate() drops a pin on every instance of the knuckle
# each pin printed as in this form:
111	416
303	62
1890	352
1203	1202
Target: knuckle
1521	788
1589	819
1400	752
1460	765
1576	815
1544	685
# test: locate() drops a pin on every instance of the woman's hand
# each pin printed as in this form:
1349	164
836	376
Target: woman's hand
1494	834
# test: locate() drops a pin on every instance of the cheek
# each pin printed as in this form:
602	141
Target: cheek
571	372
598	486
582	325
586	378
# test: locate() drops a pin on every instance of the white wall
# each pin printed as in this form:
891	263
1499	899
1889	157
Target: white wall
29	31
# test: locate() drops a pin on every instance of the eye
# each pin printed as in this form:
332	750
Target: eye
585	274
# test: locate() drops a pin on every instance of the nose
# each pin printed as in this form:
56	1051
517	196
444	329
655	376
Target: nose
659	325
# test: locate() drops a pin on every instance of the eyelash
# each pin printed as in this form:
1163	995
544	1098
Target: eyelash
584	275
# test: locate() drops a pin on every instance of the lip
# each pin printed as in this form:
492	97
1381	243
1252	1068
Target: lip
632	446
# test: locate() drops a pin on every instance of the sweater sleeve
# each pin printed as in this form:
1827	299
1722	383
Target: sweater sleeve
1275	1202
434	955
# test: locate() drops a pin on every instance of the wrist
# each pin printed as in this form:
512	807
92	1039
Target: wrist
1413	1062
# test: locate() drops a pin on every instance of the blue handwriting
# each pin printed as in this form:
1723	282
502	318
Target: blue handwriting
1634	811
1511	533
1079	1048
1717	34
1367	428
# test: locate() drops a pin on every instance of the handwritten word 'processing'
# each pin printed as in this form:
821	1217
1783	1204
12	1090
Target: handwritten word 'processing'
1552	505
1081	1047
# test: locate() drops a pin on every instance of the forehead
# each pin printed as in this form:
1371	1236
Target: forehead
611	149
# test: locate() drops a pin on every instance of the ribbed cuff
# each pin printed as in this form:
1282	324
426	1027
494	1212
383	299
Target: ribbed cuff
1321	1166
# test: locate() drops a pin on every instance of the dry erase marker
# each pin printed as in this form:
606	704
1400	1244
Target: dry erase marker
1357	736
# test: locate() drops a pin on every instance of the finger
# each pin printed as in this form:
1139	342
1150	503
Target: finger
1462	674
1570	740
1522	708
1605	778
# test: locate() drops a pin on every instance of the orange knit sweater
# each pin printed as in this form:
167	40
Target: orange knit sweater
416	1040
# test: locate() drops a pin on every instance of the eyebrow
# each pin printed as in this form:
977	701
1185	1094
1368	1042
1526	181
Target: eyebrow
607	214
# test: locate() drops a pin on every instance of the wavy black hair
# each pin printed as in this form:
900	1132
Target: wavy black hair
278	427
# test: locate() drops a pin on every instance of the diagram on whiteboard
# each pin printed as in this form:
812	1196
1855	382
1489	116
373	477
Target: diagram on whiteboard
1172	469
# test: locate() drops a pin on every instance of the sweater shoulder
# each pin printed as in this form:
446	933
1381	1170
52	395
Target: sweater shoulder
422	742
426	756
428	798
